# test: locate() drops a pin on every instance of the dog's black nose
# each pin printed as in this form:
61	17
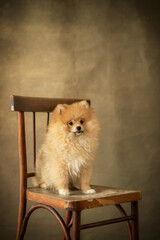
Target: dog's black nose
79	128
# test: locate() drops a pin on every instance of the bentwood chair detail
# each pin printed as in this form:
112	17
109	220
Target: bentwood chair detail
77	201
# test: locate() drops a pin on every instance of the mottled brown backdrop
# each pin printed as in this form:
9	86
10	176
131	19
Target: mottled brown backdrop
105	50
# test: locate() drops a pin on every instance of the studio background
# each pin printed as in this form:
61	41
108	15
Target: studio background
107	51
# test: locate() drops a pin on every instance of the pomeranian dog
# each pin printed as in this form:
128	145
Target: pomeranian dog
66	157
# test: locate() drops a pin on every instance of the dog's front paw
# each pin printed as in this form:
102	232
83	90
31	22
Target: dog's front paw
89	191
63	192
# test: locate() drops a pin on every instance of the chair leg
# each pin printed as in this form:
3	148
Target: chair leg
21	215
68	216
135	223
76	225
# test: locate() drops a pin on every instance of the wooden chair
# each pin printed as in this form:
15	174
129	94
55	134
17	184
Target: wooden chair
77	201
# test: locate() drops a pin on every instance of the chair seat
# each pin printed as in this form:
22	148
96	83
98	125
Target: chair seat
78	201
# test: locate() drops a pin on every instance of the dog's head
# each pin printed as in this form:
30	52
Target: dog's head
77	118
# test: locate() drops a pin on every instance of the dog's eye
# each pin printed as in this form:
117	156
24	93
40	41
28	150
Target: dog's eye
81	122
70	123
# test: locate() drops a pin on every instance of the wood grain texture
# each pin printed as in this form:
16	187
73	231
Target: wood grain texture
23	172
77	200
38	104
76	225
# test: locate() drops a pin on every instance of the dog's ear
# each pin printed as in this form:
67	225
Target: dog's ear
61	108
84	103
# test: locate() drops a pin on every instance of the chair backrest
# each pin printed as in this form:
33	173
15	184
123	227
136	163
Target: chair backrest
32	104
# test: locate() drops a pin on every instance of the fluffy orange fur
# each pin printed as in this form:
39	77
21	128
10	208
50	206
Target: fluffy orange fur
67	155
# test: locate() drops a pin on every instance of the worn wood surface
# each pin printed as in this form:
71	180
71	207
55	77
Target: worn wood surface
38	104
77	200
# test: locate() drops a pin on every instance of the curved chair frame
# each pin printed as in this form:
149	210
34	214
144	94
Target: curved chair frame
61	222
69	220
52	211
124	214
73	209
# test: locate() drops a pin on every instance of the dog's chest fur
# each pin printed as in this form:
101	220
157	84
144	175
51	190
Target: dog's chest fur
76	154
